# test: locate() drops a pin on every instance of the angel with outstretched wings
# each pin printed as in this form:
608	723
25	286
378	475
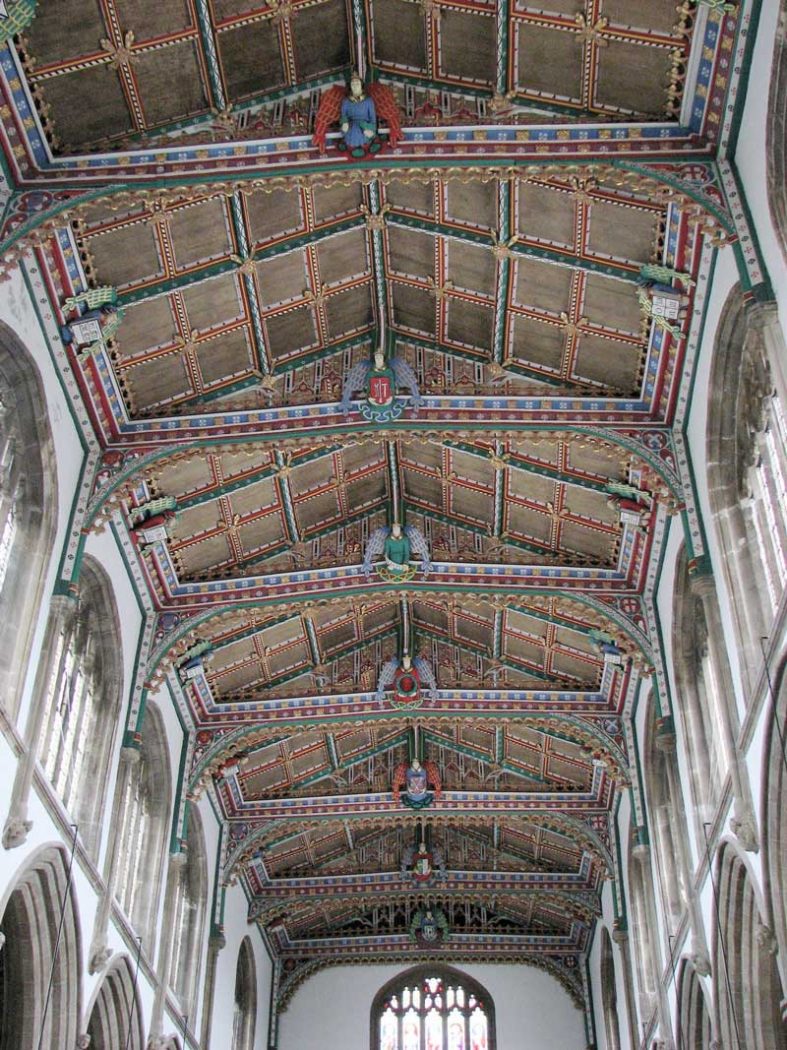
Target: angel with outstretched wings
395	547
416	785
380	380
357	113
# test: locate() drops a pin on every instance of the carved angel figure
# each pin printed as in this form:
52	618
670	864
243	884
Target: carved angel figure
357	113
411	784
379	380
422	863
395	546
429	927
408	677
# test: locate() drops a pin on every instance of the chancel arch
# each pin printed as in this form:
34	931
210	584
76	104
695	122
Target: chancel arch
432	1005
116	1019
747	987
191	898
694	1022
145	812
245	1012
84	692
28	502
40	961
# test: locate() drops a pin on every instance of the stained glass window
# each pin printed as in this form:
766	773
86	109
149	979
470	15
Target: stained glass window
432	1008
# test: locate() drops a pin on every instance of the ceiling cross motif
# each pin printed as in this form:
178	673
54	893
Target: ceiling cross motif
506	252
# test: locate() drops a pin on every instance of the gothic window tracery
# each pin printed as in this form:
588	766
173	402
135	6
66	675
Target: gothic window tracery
27	504
82	701
432	1008
144	815
189	912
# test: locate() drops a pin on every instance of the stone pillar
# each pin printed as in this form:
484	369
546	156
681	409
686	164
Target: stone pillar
99	952
700	956
621	938
655	963
743	823
156	1039
17	824
216	942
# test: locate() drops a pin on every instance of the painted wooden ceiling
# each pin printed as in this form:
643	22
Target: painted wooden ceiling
118	70
549	155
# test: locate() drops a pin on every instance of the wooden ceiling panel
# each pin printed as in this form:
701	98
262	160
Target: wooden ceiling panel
634	79
150	18
621	232
548	63
251	58
398	34
291	333
471	268
613	304
272	214
200	232
283	278
321	39
468	47
471	203
611	362
166	97
126	256
414	197
411	253
146	326
545	214
543	286
469	324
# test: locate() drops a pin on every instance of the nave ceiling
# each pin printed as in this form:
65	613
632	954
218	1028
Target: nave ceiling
539	467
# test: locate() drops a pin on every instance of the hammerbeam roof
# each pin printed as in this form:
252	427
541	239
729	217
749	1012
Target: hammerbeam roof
548	155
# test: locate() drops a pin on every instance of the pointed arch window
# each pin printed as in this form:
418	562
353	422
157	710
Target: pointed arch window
190	906
28	501
433	1008
144	816
83	701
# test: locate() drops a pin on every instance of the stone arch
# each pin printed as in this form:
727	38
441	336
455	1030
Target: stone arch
245	1013
640	893
83	703
743	461
609	992
28	514
664	817
116	1018
694	1023
475	1000
776	141
697	703
747	988
40	962
189	923
144	814
774	792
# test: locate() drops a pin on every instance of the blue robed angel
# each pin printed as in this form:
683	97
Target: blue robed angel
358	117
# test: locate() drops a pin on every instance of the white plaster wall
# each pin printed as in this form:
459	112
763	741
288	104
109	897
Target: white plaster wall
331	1009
